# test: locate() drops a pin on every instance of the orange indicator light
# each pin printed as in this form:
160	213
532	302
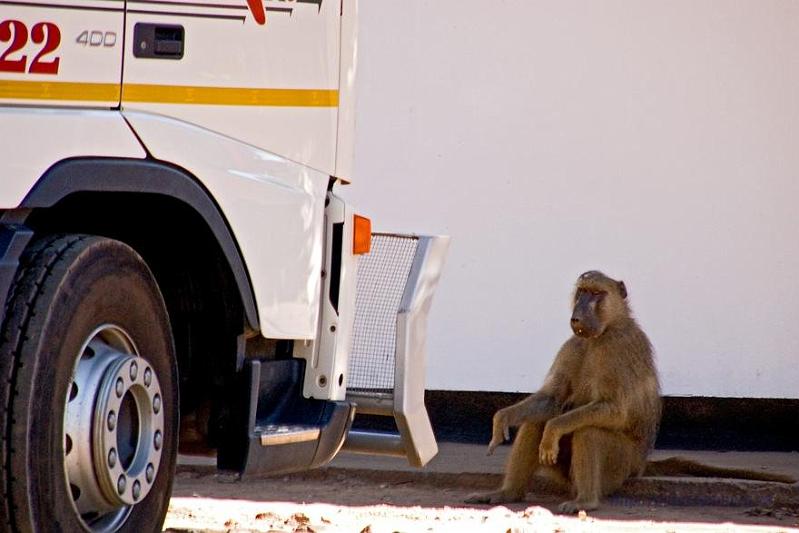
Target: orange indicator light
362	235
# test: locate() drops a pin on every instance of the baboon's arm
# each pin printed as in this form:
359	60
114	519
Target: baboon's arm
538	407
602	414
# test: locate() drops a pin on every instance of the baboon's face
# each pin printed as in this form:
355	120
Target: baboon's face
597	300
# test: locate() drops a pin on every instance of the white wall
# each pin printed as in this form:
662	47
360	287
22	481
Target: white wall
657	141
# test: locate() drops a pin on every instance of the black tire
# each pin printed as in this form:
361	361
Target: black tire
66	287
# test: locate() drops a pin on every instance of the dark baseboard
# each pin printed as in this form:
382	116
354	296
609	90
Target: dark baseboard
689	423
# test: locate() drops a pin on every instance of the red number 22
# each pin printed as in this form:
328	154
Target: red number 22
43	33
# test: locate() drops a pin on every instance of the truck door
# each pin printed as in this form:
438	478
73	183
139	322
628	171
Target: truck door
264	72
61	53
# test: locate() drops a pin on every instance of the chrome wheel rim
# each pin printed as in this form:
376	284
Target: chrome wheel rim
113	429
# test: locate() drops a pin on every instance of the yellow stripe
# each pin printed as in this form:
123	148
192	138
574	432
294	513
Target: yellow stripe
175	94
59	90
167	94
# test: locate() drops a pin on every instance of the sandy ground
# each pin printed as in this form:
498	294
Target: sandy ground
338	500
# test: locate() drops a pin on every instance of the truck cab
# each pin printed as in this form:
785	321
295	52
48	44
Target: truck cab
178	272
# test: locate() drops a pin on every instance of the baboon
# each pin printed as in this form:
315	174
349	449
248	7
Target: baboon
595	419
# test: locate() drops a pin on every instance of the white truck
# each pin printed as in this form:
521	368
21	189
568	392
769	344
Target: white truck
174	261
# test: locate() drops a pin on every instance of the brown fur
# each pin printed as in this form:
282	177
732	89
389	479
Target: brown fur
679	466
595	418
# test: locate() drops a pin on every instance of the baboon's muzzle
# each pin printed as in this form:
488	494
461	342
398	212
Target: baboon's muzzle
584	321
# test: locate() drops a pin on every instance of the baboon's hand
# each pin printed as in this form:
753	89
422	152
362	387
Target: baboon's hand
548	449
500	432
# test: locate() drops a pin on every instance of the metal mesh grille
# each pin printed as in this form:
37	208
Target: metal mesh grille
382	275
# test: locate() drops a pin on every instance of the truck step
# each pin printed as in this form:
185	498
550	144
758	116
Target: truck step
277	429
275	435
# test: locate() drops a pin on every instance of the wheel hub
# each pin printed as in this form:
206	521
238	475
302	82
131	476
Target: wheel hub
114	429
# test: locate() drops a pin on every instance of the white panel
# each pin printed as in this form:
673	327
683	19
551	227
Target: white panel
42	137
275	210
296	49
345	145
78	44
653	140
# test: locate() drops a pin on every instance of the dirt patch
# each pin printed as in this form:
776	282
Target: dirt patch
333	500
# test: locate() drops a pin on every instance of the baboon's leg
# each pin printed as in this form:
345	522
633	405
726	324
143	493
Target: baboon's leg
522	463
601	461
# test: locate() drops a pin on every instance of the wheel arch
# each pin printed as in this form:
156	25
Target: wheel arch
145	178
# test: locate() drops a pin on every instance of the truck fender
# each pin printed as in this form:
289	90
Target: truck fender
107	174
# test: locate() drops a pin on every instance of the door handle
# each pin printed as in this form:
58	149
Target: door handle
158	41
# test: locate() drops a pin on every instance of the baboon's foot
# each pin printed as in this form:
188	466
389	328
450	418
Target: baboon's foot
575	506
496	496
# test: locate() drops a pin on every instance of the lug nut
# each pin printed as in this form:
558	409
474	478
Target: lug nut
120	388
134	371
149	474
157	403
122	483
112	421
148	377
136	491
158	440
112	458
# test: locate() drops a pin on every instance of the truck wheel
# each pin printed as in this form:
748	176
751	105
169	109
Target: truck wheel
88	391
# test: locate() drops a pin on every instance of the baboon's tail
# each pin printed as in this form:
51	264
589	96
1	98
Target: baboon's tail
679	467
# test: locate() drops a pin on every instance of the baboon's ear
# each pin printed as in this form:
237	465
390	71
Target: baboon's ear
622	289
